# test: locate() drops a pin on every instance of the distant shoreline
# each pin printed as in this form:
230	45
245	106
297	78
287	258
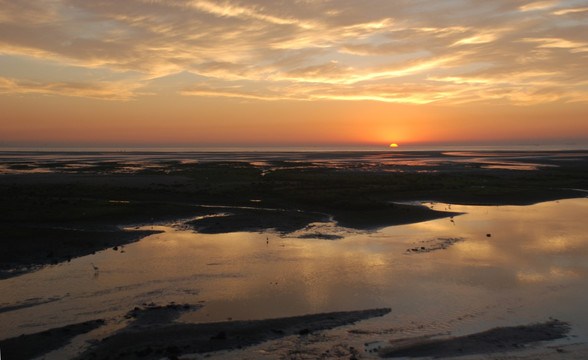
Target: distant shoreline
299	148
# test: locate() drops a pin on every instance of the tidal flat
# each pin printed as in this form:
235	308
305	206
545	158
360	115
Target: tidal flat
409	245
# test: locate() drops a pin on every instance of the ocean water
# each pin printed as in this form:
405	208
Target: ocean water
78	160
488	266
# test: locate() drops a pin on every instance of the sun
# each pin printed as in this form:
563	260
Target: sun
393	145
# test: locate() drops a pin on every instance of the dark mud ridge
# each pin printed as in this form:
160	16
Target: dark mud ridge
153	334
34	345
175	339
499	339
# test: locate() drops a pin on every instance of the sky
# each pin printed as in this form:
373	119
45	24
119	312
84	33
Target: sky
298	72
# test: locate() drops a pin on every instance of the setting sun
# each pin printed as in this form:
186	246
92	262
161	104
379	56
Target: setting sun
393	145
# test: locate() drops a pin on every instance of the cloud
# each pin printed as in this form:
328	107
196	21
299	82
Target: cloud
27	11
331	72
570	11
228	9
406	93
288	49
573	46
524	88
538	5
234	92
95	90
476	39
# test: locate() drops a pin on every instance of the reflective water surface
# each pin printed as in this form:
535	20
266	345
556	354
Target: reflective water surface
123	162
486	266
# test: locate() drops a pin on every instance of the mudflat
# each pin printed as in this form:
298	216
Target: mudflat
55	210
60	206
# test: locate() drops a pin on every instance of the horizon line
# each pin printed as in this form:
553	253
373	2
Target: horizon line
295	147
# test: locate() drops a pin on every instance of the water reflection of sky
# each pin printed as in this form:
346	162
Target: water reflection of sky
131	162
527	244
532	266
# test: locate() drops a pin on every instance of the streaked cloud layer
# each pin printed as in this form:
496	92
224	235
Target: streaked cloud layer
293	71
448	52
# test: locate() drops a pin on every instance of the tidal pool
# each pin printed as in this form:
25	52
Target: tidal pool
487	266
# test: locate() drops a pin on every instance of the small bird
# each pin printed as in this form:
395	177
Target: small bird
94	266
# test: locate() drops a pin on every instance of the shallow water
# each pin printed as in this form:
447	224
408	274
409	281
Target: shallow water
122	162
487	266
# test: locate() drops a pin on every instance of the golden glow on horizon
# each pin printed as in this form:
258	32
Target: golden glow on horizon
393	145
301	72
